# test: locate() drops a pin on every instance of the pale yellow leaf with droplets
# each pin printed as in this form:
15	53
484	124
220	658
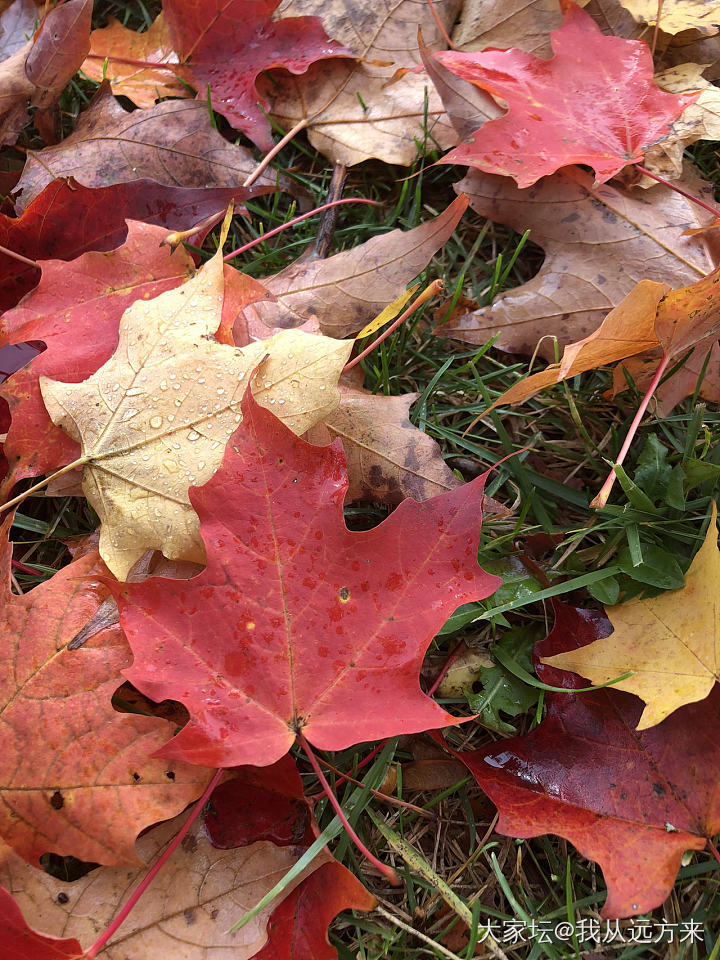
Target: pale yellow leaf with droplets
671	642
677	15
154	420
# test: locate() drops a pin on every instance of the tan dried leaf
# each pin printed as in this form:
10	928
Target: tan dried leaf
347	290
510	23
18	20
155	418
172	143
699	121
185	915
388	458
359	109
677	15
599	242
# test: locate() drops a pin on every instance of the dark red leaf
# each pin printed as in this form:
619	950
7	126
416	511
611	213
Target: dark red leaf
68	219
632	801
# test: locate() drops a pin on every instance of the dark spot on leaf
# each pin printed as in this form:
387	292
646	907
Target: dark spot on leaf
136	777
189	843
57	801
344	594
189	917
63	898
170	774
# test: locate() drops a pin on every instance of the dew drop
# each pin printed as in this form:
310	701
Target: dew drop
155	422
193	435
133	392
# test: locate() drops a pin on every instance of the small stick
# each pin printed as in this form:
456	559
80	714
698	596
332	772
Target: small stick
43	483
382	867
18	256
435	287
441	28
602	498
329	218
291	223
300	125
713	849
376	793
683	193
96	947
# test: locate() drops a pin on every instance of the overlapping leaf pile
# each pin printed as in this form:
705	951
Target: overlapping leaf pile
175	395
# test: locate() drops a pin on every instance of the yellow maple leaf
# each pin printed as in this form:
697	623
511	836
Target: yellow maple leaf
670	642
154	420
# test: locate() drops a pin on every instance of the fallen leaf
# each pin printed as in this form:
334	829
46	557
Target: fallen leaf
670	642
20	942
226	44
467	106
599	242
344	292
677	15
67	219
388	459
512	23
256	670
39	70
358	110
633	802
185	915
113	45
75	310
651	323
298	926
154	419
18	21
172	143
88	784
699	120
559	112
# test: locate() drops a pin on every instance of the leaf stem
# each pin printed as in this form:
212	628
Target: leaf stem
291	223
382	867
271	154
713	849
19	256
683	193
80	462
440	26
602	498
435	287
395	801
96	947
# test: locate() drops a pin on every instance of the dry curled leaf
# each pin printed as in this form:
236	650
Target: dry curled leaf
599	242
360	109
173	143
154	419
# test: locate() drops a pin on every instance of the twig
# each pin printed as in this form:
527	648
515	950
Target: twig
157	866
291	223
440	25
683	193
416	933
330	217
435	287
18	256
602	498
386	871
271	154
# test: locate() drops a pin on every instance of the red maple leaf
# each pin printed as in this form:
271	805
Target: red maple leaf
76	776
21	942
298	624
68	219
632	801
594	102
227	43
